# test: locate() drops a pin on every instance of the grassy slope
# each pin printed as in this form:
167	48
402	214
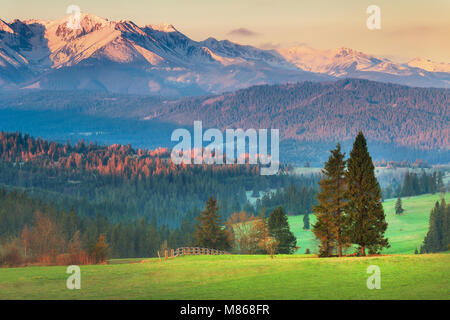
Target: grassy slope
405	232
238	277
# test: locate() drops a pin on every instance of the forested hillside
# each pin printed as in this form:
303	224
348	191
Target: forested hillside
125	184
44	230
334	111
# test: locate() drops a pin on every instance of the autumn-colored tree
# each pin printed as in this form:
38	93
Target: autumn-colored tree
241	225
250	232
26	239
99	251
47	241
271	245
10	256
76	254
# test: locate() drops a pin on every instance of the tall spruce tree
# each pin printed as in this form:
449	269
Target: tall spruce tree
407	188
279	229
306	225
365	220
329	211
209	230
398	206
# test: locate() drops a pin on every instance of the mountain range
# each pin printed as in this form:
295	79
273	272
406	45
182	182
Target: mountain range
122	57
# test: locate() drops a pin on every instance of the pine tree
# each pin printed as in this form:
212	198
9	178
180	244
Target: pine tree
407	189
438	236
209	232
440	182
415	184
279	229
433	184
306	225
329	211
398	206
365	218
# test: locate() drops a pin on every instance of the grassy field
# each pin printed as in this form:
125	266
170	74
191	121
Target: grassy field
405	232
238	277
404	276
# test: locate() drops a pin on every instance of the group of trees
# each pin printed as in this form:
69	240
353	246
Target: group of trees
407	183
35	231
244	232
350	211
414	185
45	242
295	199
438	236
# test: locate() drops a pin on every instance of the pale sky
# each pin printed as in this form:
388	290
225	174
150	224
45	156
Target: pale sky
409	28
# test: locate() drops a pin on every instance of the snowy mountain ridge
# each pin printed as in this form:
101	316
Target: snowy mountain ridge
120	56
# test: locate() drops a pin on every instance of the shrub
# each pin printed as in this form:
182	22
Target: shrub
11	257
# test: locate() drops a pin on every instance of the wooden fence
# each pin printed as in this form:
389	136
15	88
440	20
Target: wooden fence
190	251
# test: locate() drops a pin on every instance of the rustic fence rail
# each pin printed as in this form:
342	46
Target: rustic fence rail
190	251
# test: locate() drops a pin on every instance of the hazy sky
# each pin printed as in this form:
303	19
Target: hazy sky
409	28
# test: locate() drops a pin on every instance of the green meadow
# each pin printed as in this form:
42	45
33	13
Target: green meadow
238	277
405	232
403	275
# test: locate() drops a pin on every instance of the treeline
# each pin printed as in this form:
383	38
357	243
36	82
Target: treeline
33	231
401	164
414	185
349	210
438	236
294	200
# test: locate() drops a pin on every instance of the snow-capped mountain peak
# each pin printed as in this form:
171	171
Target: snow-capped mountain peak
428	65
121	56
163	27
5	27
346	62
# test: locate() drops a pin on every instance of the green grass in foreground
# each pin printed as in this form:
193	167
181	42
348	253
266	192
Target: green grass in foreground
405	232
239	277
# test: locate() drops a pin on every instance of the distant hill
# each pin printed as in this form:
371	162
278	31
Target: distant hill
400	116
